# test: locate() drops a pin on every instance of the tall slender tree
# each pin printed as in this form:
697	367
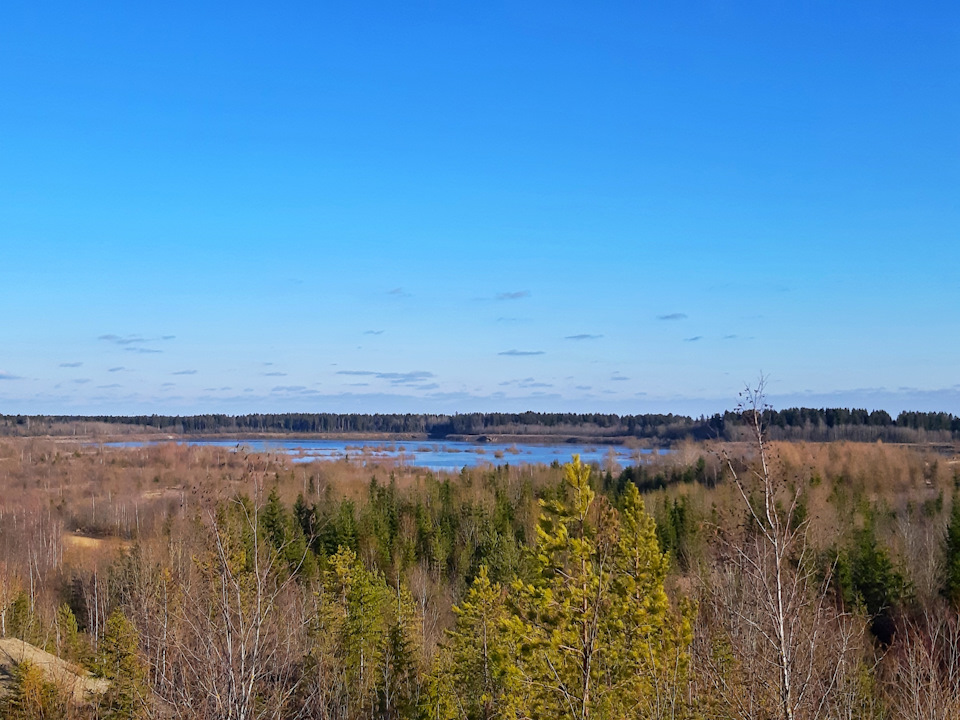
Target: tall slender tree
118	660
590	629
472	678
768	597
951	584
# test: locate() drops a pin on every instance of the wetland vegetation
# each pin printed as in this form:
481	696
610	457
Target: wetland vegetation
726	579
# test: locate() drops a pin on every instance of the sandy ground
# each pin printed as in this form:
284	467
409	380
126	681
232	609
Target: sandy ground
82	542
68	676
75	541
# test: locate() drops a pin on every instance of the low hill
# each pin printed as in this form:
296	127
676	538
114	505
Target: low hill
75	680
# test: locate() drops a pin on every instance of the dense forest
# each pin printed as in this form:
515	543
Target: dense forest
761	580
818	425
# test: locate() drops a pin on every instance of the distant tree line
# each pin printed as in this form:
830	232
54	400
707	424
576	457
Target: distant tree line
437	426
828	424
812	424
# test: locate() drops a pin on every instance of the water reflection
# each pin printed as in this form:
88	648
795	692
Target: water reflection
434	455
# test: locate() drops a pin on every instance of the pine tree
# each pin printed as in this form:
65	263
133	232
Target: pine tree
31	696
595	623
118	660
649	640
474	672
352	612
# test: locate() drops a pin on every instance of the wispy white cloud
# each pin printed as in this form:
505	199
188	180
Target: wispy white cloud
134	339
515	295
413	377
123	339
405	377
526	383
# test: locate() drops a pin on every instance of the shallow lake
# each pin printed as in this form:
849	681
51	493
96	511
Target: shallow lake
431	454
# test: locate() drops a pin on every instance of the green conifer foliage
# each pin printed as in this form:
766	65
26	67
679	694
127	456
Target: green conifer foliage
32	697
21	622
951	587
594	628
285	534
648	641
352	623
868	576
118	660
69	643
473	673
401	650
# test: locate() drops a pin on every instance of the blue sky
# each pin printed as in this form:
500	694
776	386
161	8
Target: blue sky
624	207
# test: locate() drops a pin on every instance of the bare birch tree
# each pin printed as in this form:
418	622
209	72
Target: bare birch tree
238	625
789	641
924	678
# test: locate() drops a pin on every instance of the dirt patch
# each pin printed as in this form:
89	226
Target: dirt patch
170	492
83	542
75	680
80	544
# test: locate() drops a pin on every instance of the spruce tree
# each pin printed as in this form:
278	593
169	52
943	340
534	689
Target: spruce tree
951	586
70	644
118	661
400	652
21	622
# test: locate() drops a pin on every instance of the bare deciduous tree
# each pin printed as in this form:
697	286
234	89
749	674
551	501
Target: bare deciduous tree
790	643
924	677
238	625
